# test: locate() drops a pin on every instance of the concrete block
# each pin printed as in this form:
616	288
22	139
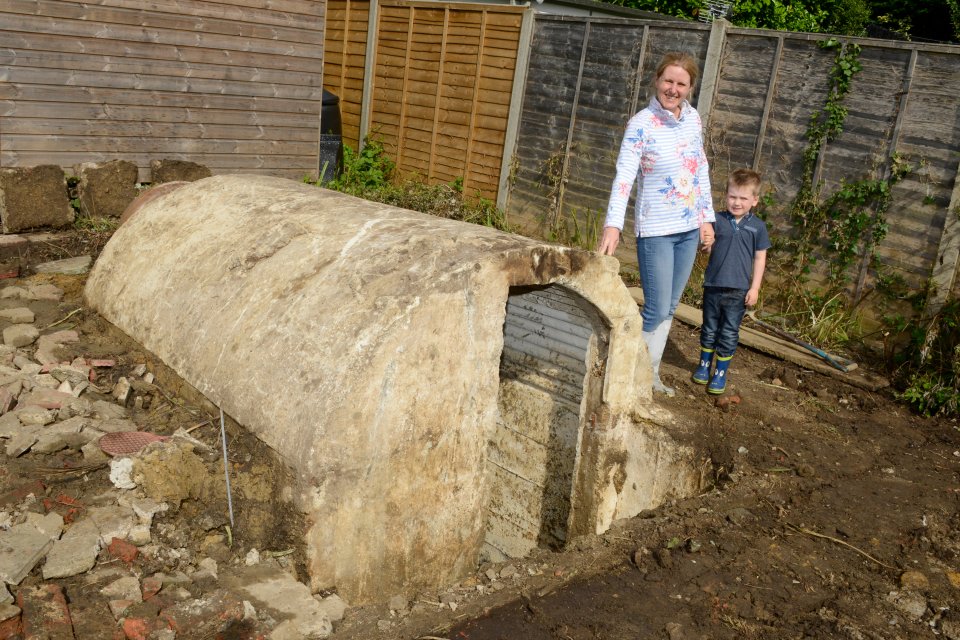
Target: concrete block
166	170
204	617
21	548
50	525
67	266
70	373
286	600
105	189
74	553
33	416
126	588
112	522
33	197
45	291
17	315
21	443
45	612
20	335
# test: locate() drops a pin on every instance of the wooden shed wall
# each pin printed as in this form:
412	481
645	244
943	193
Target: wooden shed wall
235	86
587	76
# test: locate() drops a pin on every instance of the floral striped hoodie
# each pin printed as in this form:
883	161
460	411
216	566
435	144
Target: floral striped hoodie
664	156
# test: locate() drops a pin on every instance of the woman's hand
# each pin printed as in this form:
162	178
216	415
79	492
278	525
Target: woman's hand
609	241
706	236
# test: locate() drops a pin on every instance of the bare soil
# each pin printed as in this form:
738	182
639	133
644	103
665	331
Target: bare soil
835	514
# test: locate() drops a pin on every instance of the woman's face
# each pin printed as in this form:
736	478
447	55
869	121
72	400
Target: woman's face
673	86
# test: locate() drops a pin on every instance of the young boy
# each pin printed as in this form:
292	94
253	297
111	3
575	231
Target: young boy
732	280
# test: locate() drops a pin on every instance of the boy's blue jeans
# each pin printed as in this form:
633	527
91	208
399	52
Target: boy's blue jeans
723	311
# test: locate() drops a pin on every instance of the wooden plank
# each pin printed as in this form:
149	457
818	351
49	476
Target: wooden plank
768	103
239	25
35	44
130	66
183	38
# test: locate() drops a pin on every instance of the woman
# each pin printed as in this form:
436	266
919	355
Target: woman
662	151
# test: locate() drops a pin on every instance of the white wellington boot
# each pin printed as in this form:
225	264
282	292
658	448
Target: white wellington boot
656	342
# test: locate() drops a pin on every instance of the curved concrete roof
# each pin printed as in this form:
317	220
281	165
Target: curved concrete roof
361	342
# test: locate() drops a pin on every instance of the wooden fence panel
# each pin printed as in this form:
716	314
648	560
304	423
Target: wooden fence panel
441	89
345	53
234	87
903	105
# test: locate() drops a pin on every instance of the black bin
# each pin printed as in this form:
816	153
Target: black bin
331	138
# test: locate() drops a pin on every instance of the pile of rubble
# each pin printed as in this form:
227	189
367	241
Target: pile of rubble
109	565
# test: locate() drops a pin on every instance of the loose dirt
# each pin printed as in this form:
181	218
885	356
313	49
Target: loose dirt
835	514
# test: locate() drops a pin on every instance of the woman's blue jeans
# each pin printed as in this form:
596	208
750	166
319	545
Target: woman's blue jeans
665	265
723	311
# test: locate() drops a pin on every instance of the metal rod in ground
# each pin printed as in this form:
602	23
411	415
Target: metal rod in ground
226	472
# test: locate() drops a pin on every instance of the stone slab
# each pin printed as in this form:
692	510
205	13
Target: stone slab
21	548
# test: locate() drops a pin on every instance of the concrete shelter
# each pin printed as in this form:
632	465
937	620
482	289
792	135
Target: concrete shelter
443	391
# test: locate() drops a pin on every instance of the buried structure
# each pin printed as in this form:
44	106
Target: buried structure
443	392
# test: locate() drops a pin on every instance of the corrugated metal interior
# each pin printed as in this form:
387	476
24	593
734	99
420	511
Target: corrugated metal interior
552	339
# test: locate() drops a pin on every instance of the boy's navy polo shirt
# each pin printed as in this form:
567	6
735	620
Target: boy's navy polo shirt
731	259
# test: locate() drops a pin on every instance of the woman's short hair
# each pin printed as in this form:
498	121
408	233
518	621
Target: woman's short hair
680	59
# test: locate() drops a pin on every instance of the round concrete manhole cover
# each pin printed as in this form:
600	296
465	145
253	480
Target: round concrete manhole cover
124	443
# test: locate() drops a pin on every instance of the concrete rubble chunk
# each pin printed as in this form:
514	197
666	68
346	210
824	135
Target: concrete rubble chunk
46	381
14	292
74	407
333	607
44	398
18	315
20	335
105	189
121	390
32	197
126	588
10	425
45	291
115	425
49	343
50	524
67	266
8	611
70	373
5	596
106	410
21	443
122	473
75	552
112	521
35	416
277	592
21	548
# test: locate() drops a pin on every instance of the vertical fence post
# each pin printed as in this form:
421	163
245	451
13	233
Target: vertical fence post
516	107
369	71
944	274
573	121
711	69
768	103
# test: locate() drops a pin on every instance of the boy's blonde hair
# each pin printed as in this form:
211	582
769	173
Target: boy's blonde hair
745	178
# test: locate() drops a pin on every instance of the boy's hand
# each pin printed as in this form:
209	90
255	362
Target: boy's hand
752	296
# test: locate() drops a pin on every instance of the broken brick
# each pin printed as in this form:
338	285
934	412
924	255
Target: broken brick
151	586
205	616
10	628
122	550
45	613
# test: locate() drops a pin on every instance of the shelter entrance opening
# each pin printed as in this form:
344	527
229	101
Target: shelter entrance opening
551	377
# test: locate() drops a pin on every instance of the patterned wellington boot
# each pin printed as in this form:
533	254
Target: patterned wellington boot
718	383
702	374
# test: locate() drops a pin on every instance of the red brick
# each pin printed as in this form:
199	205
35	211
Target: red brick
36	487
10	628
45	613
206	616
122	550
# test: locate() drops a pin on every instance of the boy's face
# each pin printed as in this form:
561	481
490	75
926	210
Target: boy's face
741	199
